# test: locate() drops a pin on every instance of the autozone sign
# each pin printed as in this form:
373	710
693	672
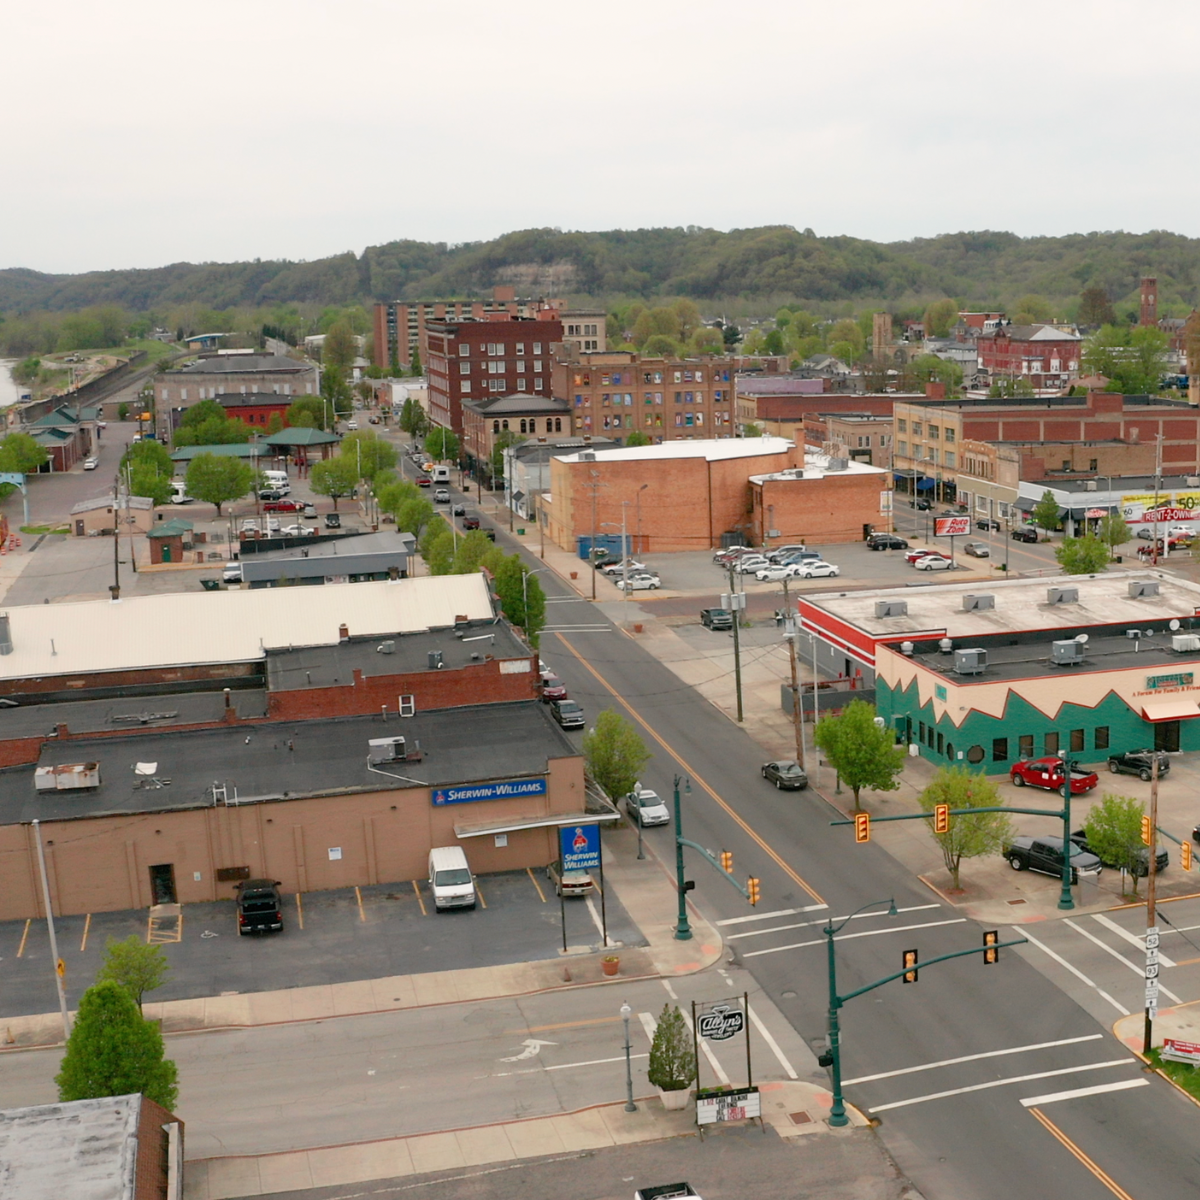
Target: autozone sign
951	526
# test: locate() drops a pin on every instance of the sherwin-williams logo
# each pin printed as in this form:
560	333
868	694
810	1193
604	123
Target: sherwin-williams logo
489	791
1158	682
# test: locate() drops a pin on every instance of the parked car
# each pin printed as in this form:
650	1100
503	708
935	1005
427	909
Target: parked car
798	557
749	563
282	506
716	618
774	572
271	494
441	496
785	774
886	541
977	550
646	807
309	510
986	523
641	582
1139	763
911	556
781	553
1045	855
333	520
567	713
470	522
1048	773
728	553
1025	533
298	530
459	510
817	570
553	689
1140	869
922	505
570	883
259	906
620	566
424	481
1146	532
91	463
934	562
351	425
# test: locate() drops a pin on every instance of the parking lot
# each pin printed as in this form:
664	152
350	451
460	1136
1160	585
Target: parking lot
328	937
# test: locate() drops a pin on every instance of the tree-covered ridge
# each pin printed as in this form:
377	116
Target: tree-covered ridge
982	269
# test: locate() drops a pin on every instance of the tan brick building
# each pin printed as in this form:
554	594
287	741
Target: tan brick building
486	419
866	437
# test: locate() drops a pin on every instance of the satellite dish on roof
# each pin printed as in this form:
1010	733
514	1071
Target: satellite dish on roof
1082	639
1148	633
1174	624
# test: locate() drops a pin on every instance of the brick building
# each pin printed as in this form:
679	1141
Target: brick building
487	418
215	376
1047	356
256	409
826	501
493	356
866	437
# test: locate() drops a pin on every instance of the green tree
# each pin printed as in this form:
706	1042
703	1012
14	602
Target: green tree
940	317
774	342
306	412
136	965
413	420
1086	555
472	547
441	444
415	516
969	836
1045	512
334	477
672	1065
414	363
1095	307
638	438
1010	387
340	348
21	454
731	335
208	424
122	411
370	453
437	548
687	319
928	367
145	479
395	492
750	429
659	345
1114	832
614	753
114	1051
863	754
1112	530
501	443
149	454
845	352
336	390
215	478
1133	359
847	331
1033	310
275	423
521	597
706	340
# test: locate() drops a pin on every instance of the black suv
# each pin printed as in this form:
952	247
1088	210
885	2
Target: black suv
1141	869
886	541
259	906
1024	533
1139	763
785	774
716	618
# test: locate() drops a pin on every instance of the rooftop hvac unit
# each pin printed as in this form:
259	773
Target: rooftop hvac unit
1063	595
839	464
977	603
435	660
906	648
392	749
388	647
945	646
891	608
1089	485
1193	481
1066	654
1185	643
1142	588
970	662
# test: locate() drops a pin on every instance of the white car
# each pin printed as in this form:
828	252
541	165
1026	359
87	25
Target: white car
646	807
933	562
750	563
91	463
269	525
352	425
1177	531
298	530
775	572
817	570
618	568
641	582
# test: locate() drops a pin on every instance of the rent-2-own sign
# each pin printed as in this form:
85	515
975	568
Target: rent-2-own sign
580	847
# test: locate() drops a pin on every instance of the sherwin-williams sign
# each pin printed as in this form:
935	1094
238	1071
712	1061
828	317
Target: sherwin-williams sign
507	790
580	846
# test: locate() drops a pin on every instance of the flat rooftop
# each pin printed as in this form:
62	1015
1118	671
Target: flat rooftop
1127	483
712	449
289	760
235	626
362	554
37	719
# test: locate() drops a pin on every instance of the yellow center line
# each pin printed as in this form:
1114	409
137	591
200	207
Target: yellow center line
420	901
746	828
362	916
1109	1183
24	937
535	883
86	926
299	911
566	1025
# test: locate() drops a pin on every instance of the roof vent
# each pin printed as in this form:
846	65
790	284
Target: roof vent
587	456
945	646
388	647
978	603
1062	595
1185	643
6	646
970	662
435	660
839	464
1066	654
1193	481
906	648
1139	589
891	608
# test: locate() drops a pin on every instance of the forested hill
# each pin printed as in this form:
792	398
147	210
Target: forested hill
757	265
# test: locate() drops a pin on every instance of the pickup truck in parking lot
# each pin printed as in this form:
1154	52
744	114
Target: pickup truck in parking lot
1045	855
1048	773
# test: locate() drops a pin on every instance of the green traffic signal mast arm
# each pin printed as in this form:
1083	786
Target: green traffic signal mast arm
712	858
960	812
870	987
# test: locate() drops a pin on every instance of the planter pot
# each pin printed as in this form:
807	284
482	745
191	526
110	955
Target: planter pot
675	1101
637	629
610	966
574	574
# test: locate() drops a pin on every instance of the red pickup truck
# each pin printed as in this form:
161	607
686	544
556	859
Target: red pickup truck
1048	773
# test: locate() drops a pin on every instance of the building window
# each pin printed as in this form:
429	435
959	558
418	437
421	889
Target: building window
520	385
940	743
520	347
557	424
464	368
948	433
901	425
1025	745
921	732
537	364
537	383
1077	740
902	448
1050	742
520	361
949	457
408	705
1093	464
537	348
465	387
933	431
464	349
916	429
999	749
1100	737
495	426
950	751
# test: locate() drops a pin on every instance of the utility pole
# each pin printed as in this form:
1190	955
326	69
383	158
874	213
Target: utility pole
1157	489
115	588
816	776
128	516
797	706
58	971
737	645
683	931
1152	913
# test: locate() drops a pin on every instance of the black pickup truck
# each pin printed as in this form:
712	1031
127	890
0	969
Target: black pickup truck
259	906
1045	854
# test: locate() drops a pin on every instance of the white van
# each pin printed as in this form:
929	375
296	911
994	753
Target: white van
232	573
450	878
277	480
179	492
440	474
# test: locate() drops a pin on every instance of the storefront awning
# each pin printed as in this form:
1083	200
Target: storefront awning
926	483
1170	710
470	829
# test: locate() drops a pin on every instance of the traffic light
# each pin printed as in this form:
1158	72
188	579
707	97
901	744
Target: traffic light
862	827
991	950
1147	831
1185	855
941	818
727	861
752	890
910	966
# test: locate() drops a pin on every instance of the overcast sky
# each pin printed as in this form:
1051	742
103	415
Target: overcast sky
139	133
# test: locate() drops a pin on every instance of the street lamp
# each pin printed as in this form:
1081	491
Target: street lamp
683	931
833	1058
626	1012
525	593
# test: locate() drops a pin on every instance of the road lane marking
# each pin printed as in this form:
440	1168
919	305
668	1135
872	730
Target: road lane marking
649	1024
736	817
779	912
533	1047
995	1083
86	926
479	894
950	1062
299	911
718	1070
1061	1137
1058	958
533	880
733	937
670	990
1139	971
1131	938
362	916
594	1062
24	938
842	937
1053	1097
766	1037
420	899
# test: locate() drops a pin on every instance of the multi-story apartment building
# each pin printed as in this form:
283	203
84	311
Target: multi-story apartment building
1047	356
866	436
496	355
614	393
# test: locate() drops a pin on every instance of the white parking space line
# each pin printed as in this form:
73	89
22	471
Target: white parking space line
995	1083
712	1058
766	1037
733	937
1058	958
1131	938
843	937
1139	971
779	912
1054	1097
950	1062
595	915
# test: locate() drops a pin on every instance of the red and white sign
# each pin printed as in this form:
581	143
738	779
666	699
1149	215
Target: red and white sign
1178	1051
1094	514
951	526
1168	514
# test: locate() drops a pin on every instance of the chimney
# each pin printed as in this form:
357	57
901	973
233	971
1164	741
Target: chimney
343	633
6	646
935	390
1149	313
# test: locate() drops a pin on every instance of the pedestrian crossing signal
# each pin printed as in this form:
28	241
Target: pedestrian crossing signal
1147	831
991	950
910	966
941	818
752	890
727	861
1185	855
862	827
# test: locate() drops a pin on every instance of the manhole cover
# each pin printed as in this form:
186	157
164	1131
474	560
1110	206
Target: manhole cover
800	1118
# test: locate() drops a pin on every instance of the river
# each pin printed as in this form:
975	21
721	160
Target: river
9	392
